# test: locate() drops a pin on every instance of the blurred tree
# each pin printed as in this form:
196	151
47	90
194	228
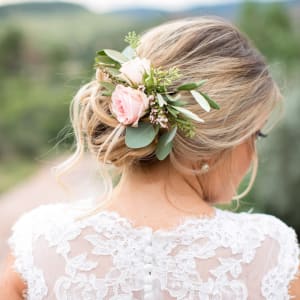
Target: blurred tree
278	183
56	57
270	27
11	48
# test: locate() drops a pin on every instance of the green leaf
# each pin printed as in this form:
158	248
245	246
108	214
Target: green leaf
172	111
141	136
183	121
163	149
191	85
109	88
161	100
105	60
114	55
211	102
201	100
129	52
156	129
171	134
189	114
170	98
107	93
179	103
201	82
107	85
187	86
112	71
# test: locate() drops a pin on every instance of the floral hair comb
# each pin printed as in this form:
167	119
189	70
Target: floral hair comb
141	101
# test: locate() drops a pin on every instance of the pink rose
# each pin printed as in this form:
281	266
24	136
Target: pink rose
128	104
134	70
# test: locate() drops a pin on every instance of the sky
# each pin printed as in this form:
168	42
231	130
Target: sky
108	5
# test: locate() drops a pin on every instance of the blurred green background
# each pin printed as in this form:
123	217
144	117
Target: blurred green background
47	51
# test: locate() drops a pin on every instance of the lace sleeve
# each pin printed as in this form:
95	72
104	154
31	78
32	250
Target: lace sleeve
20	243
275	284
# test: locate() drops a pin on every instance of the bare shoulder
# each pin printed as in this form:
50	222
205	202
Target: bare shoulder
294	288
12	286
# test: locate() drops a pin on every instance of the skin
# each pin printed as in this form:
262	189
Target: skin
155	208
11	284
164	195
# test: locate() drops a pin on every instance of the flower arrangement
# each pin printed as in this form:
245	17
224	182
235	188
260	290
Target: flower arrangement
141	100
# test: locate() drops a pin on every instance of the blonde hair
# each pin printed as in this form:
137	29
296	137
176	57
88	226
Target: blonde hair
209	48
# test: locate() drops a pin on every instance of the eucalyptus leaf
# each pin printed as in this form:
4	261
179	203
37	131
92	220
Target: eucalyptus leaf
179	103
188	114
170	135
141	136
187	86
201	100
163	149
170	98
112	71
201	82
107	93
172	111
191	85
108	86
129	52
105	60
115	55
161	100
101	52
211	102
182	121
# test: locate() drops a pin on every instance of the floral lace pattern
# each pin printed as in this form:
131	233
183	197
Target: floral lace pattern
229	256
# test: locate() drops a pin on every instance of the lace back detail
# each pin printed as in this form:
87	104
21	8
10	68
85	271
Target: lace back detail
228	256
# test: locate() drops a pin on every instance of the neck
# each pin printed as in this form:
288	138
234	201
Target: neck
160	188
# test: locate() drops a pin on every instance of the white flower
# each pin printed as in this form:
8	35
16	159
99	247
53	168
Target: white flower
134	70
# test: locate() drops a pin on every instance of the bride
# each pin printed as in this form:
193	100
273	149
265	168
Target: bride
178	113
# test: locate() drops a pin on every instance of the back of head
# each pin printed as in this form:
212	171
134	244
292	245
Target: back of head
202	48
238	78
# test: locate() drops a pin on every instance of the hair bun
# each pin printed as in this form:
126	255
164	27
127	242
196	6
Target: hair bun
202	48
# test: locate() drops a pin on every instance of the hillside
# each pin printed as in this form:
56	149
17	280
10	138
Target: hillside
228	10
31	8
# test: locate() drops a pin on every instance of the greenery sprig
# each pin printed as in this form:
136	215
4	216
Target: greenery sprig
132	39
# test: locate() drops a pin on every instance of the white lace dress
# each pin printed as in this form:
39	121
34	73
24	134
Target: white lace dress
229	256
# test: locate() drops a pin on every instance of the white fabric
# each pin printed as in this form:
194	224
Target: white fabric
229	256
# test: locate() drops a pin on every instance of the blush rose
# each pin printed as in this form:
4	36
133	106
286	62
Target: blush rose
134	70
128	104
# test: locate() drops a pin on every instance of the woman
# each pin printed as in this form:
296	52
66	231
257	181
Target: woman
182	145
